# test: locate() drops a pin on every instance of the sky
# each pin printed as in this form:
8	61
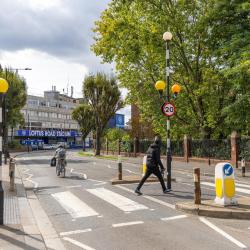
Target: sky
53	37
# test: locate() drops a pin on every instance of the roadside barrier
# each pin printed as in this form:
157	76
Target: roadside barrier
12	166
119	167
243	167
197	186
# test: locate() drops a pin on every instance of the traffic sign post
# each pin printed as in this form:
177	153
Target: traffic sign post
168	109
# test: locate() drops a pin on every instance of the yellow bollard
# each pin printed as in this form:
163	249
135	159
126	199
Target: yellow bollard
144	165
224	184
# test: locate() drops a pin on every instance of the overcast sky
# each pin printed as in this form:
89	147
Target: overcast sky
52	37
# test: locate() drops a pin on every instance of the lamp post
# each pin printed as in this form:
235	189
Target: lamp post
169	108
3	89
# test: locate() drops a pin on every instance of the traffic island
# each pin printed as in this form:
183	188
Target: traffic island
135	179
210	209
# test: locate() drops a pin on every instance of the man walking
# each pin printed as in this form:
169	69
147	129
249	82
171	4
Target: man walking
153	162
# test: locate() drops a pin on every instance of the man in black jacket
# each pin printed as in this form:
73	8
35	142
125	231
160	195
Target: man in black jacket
153	162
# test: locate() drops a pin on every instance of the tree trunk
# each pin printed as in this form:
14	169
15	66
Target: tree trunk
98	143
83	145
206	133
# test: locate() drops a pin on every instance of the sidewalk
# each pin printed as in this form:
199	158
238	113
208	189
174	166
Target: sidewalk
19	230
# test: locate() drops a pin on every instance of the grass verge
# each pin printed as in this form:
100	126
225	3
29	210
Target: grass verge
108	157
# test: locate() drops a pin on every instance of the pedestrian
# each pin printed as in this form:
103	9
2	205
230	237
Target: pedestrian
153	163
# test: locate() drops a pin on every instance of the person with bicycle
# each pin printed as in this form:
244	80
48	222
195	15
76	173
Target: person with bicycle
60	155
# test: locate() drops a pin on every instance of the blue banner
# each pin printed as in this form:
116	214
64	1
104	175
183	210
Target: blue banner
119	120
46	133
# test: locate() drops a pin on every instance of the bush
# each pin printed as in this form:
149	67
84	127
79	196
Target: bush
14	144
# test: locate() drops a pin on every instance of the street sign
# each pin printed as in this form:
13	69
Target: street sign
228	169
168	109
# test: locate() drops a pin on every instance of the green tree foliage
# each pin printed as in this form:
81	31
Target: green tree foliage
114	134
15	99
209	58
84	115
104	98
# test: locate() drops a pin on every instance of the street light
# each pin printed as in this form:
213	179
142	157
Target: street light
3	89
168	108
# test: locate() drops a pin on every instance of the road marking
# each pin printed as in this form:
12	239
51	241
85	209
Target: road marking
78	173
220	231
77	243
242	185
76	186
28	178
100	182
76	232
149	198
127	224
174	217
117	200
241	190
73	205
131	172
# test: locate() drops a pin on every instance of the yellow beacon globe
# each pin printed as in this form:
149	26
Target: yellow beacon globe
3	85
160	85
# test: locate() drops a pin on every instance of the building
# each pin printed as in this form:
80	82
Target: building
117	121
48	119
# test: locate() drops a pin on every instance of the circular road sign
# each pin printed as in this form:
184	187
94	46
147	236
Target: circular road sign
168	109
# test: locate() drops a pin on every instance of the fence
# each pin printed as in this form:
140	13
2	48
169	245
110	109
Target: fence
232	149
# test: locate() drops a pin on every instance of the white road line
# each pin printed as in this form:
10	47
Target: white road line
174	217
75	232
73	205
127	224
100	182
77	243
117	200
241	190
131	172
220	231
149	198
76	186
242	185
79	173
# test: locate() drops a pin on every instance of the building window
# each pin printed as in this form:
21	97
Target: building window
33	102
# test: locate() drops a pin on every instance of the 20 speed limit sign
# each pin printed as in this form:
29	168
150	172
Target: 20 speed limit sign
168	109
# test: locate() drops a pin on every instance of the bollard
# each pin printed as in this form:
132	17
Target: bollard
12	166
197	186
119	167
243	167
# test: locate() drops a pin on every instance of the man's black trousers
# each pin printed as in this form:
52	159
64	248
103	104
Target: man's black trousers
157	173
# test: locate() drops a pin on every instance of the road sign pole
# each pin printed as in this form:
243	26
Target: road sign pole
168	153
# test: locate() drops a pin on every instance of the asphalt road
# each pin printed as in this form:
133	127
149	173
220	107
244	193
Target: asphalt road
89	213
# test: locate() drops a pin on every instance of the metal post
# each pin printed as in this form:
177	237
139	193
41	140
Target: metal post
243	167
168	153
1	148
12	166
119	167
197	186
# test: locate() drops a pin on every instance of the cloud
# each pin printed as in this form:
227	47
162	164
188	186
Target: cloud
61	28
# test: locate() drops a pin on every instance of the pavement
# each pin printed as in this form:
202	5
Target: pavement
83	211
20	229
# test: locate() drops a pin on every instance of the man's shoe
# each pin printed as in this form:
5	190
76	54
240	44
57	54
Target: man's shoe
166	191
137	191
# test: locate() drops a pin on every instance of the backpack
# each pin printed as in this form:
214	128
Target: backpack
62	154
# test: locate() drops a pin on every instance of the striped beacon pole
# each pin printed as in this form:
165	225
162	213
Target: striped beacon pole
3	89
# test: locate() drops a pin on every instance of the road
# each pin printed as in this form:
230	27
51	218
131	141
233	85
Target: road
87	212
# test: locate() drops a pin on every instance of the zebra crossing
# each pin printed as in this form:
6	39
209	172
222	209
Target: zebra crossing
240	188
77	208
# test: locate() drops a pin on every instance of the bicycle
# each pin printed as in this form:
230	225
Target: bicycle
61	167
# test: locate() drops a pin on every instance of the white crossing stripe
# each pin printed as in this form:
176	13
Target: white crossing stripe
73	205
229	237
76	232
174	217
117	200
77	243
241	190
127	224
149	198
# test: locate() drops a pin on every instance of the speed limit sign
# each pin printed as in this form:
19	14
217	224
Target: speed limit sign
168	109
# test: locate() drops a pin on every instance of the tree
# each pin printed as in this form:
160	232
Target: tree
85	117
203	53
15	99
104	97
